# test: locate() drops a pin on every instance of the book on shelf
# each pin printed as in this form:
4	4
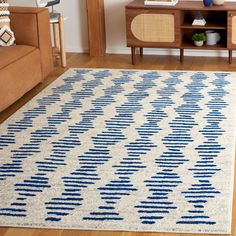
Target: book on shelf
200	22
161	2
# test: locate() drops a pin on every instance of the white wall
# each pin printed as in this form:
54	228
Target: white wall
76	27
76	24
115	26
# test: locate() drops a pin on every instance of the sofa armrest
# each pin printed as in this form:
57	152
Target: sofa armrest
31	26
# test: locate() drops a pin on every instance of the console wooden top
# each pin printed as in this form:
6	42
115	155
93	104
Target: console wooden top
184	5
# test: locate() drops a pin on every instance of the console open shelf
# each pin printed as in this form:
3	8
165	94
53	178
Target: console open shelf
189	45
207	26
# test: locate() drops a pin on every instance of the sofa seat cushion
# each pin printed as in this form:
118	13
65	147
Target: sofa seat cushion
14	53
20	76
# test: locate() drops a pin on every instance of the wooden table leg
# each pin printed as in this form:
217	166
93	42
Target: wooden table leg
141	52
181	55
62	42
230	56
55	35
133	49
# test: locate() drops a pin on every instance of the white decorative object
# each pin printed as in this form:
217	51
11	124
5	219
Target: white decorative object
41	3
198	43
212	37
218	2
199	19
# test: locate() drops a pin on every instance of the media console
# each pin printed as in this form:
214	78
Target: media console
171	26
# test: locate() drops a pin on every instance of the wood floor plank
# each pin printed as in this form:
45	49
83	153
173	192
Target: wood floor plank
3	231
47	232
19	232
149	62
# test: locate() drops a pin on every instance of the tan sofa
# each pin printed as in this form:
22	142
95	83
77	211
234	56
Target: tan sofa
29	62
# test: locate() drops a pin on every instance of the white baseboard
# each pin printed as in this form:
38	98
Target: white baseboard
173	52
161	51
76	49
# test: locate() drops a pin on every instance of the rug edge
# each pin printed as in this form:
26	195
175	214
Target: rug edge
179	231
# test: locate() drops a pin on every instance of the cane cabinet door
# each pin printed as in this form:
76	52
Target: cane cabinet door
152	28
231	42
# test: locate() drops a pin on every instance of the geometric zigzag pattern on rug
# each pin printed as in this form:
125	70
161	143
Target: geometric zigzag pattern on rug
122	150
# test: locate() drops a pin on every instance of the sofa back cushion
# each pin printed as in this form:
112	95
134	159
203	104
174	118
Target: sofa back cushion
6	35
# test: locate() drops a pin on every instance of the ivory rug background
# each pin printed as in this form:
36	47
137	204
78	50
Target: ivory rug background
122	150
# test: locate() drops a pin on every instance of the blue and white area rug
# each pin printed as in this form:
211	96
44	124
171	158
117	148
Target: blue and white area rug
122	150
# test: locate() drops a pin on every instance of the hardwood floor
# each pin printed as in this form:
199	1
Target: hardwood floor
120	62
